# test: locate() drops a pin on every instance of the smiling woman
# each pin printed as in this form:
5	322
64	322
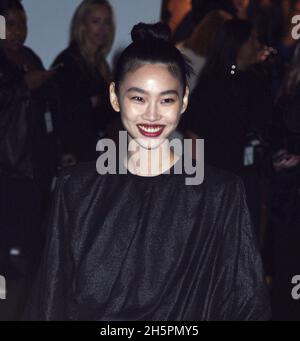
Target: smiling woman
150	90
144	246
150	113
27	146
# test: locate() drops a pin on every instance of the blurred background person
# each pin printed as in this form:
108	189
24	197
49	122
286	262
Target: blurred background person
182	16
269	20
178	15
231	106
27	143
286	44
281	250
239	9
199	44
83	76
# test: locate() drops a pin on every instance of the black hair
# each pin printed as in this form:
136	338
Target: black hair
151	43
225	47
10	5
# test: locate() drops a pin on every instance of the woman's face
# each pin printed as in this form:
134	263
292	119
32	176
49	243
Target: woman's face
98	26
241	4
151	101
175	6
16	30
249	52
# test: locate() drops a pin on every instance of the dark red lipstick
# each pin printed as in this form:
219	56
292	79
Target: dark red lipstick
151	130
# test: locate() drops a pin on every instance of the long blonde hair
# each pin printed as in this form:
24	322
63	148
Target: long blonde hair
78	37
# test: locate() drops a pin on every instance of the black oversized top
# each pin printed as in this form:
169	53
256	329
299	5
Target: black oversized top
127	247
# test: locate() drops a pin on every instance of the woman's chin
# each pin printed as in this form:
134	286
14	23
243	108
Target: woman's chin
147	142
151	144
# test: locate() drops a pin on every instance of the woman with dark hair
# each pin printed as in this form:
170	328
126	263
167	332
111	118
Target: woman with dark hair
235	44
285	128
239	9
198	45
268	18
230	106
179	15
83	77
142	243
27	147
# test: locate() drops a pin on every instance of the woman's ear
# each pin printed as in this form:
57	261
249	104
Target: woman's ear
185	100
113	97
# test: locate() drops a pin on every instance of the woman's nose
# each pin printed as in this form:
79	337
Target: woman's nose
19	30
152	113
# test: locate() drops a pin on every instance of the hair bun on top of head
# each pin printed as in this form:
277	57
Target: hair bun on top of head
144	31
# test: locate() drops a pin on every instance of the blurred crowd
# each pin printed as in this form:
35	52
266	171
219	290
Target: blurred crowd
244	102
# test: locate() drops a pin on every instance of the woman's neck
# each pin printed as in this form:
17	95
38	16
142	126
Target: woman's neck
93	50
15	56
22	59
150	162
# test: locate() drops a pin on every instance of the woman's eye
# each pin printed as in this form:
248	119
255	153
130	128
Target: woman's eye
108	23
10	24
138	99
99	21
168	100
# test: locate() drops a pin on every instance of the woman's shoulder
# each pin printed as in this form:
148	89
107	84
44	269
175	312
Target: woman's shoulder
213	178
80	170
84	177
67	57
31	54
221	178
218	181
73	179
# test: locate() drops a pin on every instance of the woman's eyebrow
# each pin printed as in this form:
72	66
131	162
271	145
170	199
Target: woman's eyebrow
135	89
170	92
141	91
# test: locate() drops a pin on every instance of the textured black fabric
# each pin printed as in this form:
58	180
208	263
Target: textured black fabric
126	247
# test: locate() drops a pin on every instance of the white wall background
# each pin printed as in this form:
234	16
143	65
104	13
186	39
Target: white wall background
49	22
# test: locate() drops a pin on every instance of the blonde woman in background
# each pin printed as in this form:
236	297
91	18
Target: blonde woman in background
83	76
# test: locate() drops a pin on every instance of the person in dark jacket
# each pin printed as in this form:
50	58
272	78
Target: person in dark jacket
26	144
83	76
281	249
231	106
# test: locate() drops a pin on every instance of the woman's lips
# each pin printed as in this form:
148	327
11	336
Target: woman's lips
151	130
